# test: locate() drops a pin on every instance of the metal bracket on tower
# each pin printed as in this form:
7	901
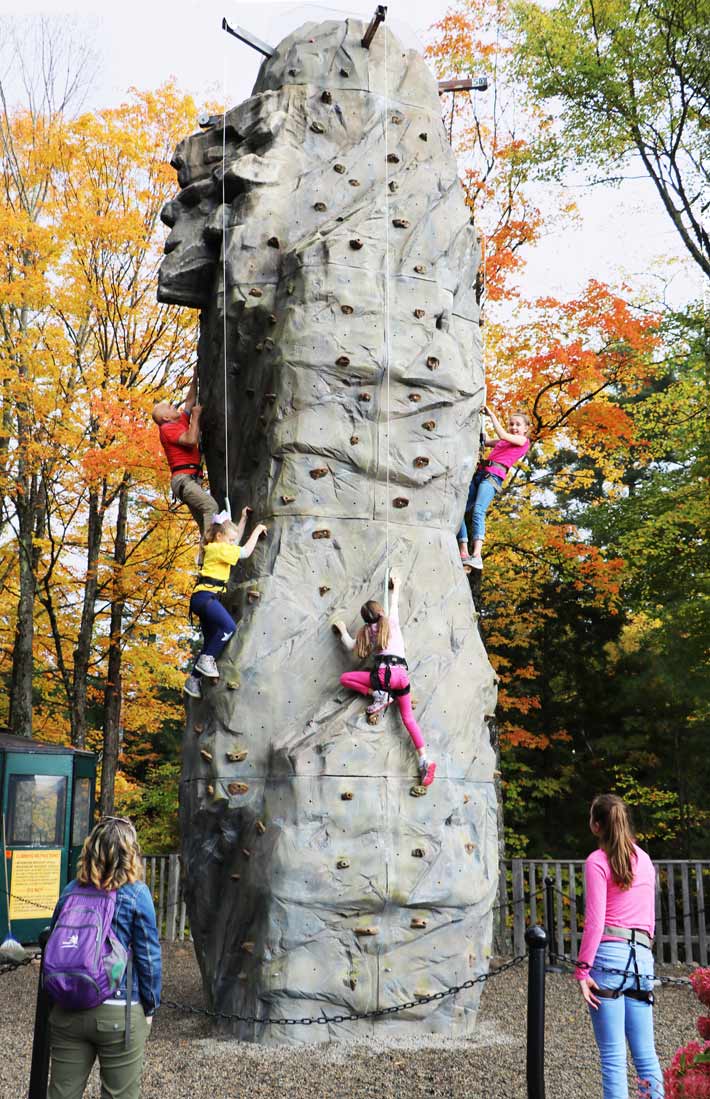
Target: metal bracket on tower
249	39
466	84
379	17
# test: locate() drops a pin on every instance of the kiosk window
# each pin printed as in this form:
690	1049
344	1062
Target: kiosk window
80	822
36	810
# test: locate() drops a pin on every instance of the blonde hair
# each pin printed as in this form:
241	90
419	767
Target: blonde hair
111	855
374	614
616	836
522	416
221	532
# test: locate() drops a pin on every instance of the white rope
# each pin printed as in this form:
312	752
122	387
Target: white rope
227	505
387	324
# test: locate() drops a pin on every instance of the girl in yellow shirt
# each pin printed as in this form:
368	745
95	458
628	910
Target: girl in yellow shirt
222	550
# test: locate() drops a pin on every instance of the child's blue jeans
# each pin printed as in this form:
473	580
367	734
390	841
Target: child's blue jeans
480	496
623	1020
217	624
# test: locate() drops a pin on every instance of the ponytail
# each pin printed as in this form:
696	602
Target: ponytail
374	614
616	837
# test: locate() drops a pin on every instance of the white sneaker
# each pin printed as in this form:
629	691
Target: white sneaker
476	561
380	701
193	687
207	665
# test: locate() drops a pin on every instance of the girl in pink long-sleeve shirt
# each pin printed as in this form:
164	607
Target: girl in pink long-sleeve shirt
388	681
618	932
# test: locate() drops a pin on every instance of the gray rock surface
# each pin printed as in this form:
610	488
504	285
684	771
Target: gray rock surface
341	267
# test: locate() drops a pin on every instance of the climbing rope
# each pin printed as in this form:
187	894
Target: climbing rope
386	319
227	505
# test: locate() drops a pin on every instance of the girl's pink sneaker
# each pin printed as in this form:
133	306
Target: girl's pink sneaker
427	772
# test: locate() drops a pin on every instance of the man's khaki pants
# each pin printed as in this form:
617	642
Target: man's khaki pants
79	1037
189	491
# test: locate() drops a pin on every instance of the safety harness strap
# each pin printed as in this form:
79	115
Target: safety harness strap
189	465
633	994
389	661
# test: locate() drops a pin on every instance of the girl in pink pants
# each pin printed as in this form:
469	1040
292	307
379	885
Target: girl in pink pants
388	681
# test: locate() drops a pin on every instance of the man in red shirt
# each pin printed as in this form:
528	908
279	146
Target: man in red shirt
180	436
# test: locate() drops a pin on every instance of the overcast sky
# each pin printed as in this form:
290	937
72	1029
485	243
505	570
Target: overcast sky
624	232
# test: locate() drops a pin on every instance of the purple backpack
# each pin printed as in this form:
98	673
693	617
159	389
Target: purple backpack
83	961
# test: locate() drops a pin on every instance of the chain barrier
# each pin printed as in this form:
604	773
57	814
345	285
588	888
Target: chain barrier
9	966
680	982
354	1016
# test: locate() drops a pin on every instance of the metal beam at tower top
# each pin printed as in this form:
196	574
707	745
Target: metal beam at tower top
249	39
379	17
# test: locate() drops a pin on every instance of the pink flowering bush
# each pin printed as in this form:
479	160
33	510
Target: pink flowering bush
689	1074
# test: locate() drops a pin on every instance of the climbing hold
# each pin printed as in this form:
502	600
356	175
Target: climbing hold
237	788
364	397
316	473
272	318
210	789
342	360
352	982
258	347
418	791
260	827
393	185
419	268
235	877
246	852
354	182
424	136
466	799
347	795
273	242
321	534
248	947
397	119
198	729
373	719
400	502
292	72
347	309
268	343
253	596
255	292
429	425
270	397
354	440
290	287
237	757
339	168
366	931
326	97
470	848
420	462
287	499
416	922
432	362
400	223
443	321
392	158
317	127
342	864
421	993
323	589
233	684
415	397
356	245
344	72
419	313
319	206
418	853
207	756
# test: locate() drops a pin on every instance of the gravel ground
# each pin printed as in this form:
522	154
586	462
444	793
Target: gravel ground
184	1060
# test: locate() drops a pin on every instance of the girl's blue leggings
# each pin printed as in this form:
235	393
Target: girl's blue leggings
480	496
217	624
623	1020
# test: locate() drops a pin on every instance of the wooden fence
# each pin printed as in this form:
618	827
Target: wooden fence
682	925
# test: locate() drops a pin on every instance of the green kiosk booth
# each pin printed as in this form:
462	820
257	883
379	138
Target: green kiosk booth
47	798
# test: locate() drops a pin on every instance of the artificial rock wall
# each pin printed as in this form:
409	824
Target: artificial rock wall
316	879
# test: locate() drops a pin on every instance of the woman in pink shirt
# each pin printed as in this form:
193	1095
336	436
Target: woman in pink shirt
618	935
388	681
488	479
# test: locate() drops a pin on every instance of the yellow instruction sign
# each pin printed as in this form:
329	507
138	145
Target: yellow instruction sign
34	884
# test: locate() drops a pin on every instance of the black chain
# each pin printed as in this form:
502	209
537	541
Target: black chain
681	982
354	1016
9	966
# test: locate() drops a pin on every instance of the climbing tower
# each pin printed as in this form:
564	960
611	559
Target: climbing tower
322	231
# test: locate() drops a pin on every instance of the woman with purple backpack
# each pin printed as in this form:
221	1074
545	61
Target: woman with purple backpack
107	902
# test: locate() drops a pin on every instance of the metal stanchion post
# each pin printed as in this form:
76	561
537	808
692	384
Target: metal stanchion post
39	1072
550	925
536	940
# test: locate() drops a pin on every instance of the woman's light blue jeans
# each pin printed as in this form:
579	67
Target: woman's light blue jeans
623	1020
480	496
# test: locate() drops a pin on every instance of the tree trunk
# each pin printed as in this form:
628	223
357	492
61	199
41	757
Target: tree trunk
113	691
82	652
30	505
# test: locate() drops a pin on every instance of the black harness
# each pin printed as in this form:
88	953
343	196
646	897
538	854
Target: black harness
637	993
190	465
389	661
